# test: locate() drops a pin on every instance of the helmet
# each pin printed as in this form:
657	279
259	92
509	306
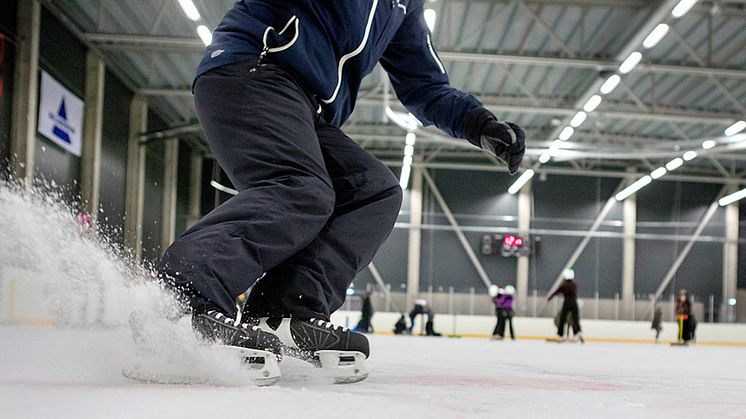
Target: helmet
493	290
509	289
568	274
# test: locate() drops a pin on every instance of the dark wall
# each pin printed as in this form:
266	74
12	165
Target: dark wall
7	61
153	208
742	248
115	135
63	57
182	189
564	208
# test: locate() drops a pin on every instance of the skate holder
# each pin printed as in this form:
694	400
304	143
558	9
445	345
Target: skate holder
343	366
262	365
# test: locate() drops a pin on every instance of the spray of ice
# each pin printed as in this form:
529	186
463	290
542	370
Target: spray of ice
70	276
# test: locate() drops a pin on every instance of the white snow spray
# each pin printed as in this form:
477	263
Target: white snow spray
55	270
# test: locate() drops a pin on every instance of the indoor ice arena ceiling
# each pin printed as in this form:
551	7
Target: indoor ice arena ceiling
536	62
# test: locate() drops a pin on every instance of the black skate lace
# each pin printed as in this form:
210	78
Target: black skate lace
328	325
233	322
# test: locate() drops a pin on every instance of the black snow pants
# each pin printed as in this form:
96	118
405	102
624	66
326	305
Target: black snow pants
569	306
504	316
312	209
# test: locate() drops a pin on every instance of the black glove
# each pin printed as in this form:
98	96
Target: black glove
504	140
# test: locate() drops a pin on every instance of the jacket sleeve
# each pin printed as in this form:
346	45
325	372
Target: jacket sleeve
420	80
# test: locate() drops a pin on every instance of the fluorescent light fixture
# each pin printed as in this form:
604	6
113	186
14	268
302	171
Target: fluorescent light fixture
410	138
190	10
556	144
566	133
631	189
407	160
431	16
592	103
204	34
708	144
658	173
408	150
404	177
735	128
521	181
610	84
683	7
690	155
578	119
544	158
658	33
674	164
729	199
630	63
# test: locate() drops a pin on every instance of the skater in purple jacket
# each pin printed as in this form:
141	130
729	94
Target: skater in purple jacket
503	301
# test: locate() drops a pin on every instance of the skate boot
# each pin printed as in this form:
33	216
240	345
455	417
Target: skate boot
337	350
257	350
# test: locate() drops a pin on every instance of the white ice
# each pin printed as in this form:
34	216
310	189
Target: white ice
54	373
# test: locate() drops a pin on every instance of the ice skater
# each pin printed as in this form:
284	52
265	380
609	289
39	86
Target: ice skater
503	300
685	318
657	323
271	92
366	315
569	290
421	307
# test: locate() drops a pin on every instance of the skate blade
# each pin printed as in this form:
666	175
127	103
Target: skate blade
344	367
261	366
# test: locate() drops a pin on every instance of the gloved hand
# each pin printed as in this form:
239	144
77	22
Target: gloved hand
504	140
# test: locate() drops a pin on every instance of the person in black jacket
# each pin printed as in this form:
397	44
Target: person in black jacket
273	89
685	318
569	290
366	315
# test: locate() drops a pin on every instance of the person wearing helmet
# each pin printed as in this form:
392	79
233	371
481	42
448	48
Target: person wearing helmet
503	300
569	290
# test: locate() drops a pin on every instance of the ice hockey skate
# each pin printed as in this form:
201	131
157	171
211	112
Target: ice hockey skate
337	350
256	353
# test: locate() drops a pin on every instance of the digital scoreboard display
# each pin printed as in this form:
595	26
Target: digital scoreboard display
507	245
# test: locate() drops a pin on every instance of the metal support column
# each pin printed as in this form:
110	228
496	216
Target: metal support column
170	181
688	247
135	178
25	91
730	261
90	176
457	229
525	203
628	260
415	236
196	160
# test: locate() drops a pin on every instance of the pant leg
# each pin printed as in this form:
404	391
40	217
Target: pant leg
497	324
313	282
510	322
501	324
562	319
261	129
575	319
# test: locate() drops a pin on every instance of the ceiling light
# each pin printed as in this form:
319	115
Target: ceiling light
729	199
674	164
404	177
630	63
735	128
610	84
683	7
708	144
521	181
629	190
658	173
431	16
578	119
658	33
566	133
555	145
592	103
690	155
544	158
190	10
410	138
204	34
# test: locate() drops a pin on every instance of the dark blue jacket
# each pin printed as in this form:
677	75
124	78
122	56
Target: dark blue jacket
329	46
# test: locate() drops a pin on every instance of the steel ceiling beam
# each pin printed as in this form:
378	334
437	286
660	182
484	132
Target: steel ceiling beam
118	41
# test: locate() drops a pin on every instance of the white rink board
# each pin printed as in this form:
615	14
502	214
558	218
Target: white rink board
75	374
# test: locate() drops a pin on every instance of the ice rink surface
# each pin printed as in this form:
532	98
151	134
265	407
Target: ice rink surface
50	373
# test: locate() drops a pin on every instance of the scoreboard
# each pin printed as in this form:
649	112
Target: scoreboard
507	245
